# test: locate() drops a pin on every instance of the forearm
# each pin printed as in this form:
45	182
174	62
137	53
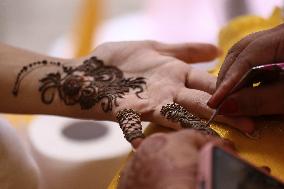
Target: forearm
22	89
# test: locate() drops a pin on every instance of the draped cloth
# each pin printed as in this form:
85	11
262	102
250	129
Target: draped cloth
267	149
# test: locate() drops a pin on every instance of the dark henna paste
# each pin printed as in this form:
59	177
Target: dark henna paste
130	123
86	85
177	113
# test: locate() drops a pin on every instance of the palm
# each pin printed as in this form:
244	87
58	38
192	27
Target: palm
168	78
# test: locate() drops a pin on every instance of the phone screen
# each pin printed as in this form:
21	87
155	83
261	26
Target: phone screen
230	172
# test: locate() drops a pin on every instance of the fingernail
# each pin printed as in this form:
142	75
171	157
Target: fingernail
230	106
213	101
210	103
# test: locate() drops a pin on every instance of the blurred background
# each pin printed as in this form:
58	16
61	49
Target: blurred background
37	25
72	27
71	155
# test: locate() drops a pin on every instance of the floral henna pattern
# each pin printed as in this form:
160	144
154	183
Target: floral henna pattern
87	85
177	113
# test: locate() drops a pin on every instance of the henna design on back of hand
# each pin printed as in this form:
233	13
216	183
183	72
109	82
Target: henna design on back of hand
86	85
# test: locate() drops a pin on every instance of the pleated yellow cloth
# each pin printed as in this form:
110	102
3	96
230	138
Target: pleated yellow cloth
268	148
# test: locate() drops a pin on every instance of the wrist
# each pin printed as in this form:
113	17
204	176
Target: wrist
78	95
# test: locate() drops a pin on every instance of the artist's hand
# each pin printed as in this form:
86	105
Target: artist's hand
168	76
260	48
165	161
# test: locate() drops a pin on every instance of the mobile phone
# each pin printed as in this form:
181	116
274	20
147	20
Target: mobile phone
220	168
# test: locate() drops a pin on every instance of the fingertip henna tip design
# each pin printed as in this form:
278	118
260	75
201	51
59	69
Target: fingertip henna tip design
130	123
177	113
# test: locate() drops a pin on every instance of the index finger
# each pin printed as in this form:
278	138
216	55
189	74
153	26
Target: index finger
259	52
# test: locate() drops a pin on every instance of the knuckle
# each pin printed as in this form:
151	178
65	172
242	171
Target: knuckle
233	49
239	46
230	58
245	62
157	143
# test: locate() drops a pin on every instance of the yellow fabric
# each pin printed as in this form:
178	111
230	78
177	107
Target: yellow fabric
268	148
86	26
18	121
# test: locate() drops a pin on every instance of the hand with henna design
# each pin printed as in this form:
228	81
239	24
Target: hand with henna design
142	76
166	161
169	78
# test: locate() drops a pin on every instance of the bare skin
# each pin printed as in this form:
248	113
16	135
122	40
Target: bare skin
165	161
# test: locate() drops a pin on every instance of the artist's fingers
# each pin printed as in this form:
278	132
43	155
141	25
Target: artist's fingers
200	80
197	140
189	52
195	102
192	137
153	156
263	100
234	52
265	49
